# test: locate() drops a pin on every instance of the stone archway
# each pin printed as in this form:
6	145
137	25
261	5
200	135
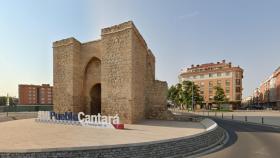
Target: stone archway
92	77
95	102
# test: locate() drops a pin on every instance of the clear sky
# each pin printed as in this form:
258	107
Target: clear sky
180	33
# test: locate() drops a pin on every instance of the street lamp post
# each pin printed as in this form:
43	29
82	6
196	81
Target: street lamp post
192	98
7	103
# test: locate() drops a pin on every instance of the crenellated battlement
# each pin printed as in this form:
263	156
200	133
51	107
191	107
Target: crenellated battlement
65	42
122	27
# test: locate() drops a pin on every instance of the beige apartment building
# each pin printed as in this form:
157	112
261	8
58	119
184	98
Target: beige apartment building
268	93
209	75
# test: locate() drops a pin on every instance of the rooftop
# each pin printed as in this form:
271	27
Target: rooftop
209	66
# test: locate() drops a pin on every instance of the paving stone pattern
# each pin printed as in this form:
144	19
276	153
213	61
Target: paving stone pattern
179	147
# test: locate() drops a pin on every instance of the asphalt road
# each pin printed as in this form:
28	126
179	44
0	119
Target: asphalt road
248	141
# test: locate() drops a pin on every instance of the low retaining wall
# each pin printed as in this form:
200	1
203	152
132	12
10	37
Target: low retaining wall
183	146
208	124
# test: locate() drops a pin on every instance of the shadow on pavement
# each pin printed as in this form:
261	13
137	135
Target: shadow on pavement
235	127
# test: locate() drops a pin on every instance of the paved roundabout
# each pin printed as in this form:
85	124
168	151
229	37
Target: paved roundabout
149	138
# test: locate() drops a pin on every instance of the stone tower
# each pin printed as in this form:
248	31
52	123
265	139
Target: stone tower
114	75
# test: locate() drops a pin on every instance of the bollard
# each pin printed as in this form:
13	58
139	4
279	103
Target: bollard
245	118
208	113
215	113
232	116
262	120
222	115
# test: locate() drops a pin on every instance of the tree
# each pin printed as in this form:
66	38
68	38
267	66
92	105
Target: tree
172	92
2	101
181	94
220	96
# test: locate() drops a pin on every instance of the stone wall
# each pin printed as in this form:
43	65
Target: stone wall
67	83
91	78
139	60
157	96
178	147
121	62
116	78
158	93
90	50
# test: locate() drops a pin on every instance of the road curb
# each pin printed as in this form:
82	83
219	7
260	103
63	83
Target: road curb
214	147
252	123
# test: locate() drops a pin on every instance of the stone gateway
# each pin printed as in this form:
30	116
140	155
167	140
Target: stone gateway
113	75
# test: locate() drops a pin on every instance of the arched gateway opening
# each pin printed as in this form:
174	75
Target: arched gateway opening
95	103
92	86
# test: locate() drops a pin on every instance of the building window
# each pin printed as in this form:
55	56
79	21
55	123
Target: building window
210	75
227	73
238	89
238	97
227	83
227	90
237	81
210	84
201	76
219	83
219	74
210	91
194	77
237	74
